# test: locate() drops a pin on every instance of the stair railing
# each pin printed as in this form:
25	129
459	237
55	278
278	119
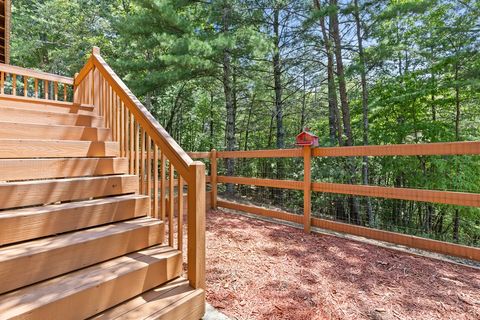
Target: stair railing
154	156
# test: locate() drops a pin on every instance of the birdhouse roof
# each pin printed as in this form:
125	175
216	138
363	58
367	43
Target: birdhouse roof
307	133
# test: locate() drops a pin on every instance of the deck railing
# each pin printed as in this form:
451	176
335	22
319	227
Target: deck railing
26	83
308	186
153	156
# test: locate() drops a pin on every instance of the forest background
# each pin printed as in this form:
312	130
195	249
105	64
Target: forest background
251	74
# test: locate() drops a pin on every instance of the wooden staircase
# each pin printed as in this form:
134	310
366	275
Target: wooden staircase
81	236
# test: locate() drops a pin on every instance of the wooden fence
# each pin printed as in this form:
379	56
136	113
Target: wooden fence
308	186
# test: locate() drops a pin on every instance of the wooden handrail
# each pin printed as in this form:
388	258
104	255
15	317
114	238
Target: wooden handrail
35	74
169	146
152	155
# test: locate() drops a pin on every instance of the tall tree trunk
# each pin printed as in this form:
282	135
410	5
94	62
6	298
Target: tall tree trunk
229	105
342	88
363	81
335	128
212	122
456	219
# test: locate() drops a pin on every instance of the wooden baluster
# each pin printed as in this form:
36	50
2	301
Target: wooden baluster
45	88
125	126
122	129
2	83
110	110
65	92
55	90
14	84
132	143
180	212
171	202
142	161
25	86
137	149
118	117
89	87
155	181
35	88
163	186
148	149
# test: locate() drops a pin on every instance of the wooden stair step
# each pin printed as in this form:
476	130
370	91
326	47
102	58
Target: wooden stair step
27	103
8	114
41	259
39	192
13	130
84	293
23	169
36	222
173	300
29	148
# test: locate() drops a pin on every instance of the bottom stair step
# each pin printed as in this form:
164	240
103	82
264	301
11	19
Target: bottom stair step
85	293
173	300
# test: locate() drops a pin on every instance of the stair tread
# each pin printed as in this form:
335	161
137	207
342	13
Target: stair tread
18	130
45	258
51	243
159	302
35	222
39	148
48	168
36	296
37	192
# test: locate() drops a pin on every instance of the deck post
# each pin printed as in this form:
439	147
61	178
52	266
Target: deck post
307	188
76	91
196	225
213	178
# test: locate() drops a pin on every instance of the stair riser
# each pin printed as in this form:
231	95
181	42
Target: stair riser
33	268
20	226
21	194
25	169
9	130
107	294
53	118
49	107
11	149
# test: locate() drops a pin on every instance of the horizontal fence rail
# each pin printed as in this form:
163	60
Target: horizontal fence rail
164	170
308	186
17	81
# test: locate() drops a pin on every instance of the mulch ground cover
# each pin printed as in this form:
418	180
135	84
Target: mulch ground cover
263	270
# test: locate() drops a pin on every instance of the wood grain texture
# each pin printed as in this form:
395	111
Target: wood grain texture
173	300
27	148
41	259
434	196
441	148
8	114
27	103
273	183
35	222
11	130
34	74
28	193
277	153
95	288
24	169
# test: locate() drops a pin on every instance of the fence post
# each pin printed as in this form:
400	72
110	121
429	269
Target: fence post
307	188
213	178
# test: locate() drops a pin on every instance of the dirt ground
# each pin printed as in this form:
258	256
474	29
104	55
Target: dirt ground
264	270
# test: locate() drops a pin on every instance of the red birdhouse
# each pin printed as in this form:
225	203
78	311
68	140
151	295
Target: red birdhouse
306	138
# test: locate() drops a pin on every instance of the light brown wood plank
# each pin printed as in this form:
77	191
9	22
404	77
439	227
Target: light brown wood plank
27	103
25	169
41	259
276	153
11	130
46	117
173	300
95	288
28	193
35	222
26	148
35	74
273	183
